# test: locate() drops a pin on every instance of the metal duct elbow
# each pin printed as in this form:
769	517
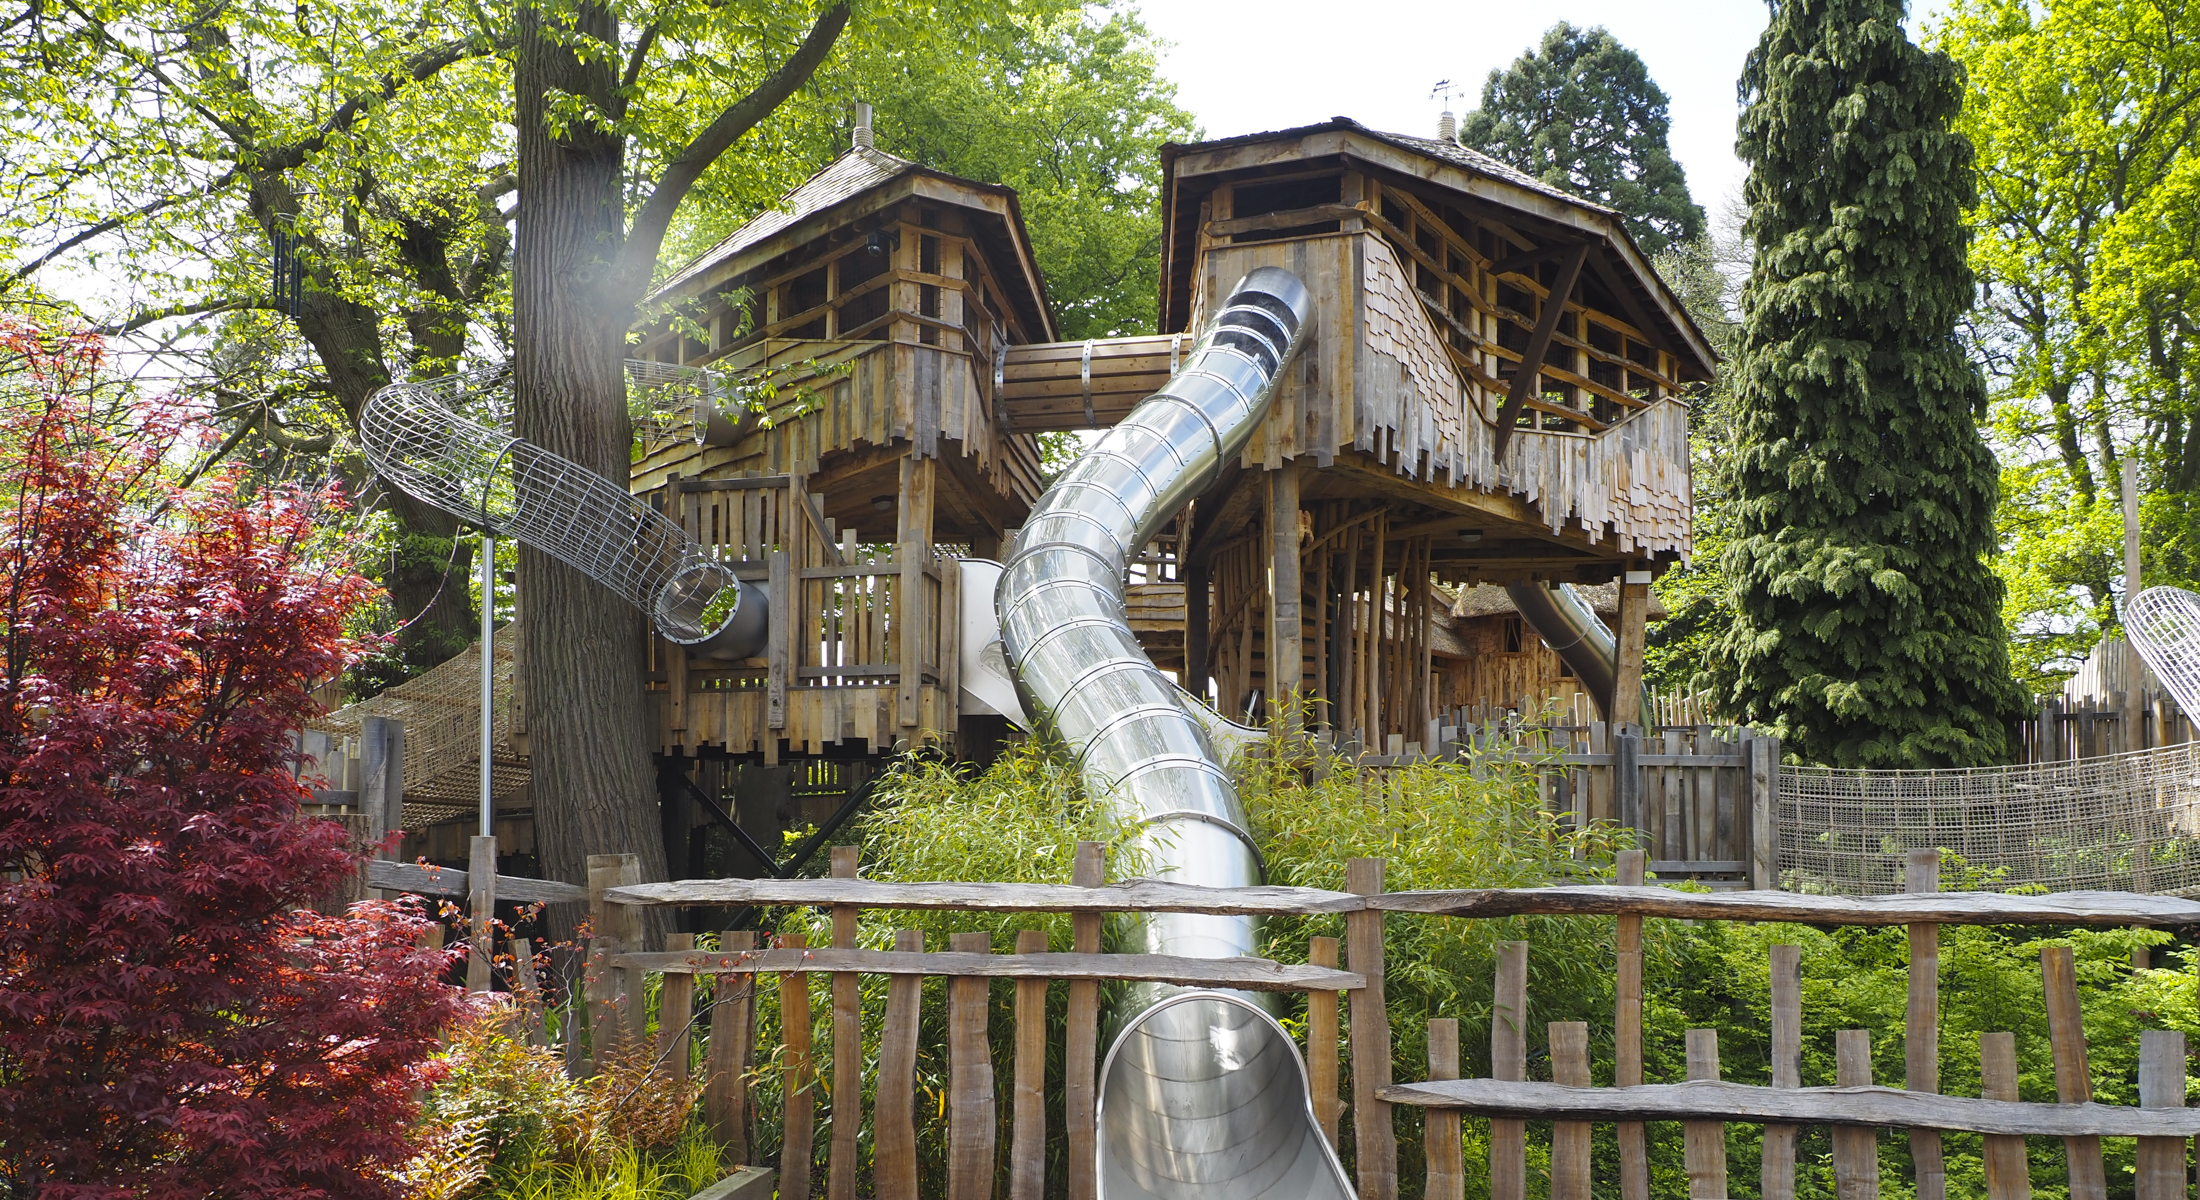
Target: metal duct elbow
1203	1096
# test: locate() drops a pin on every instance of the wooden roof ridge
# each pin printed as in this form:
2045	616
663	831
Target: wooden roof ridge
1462	155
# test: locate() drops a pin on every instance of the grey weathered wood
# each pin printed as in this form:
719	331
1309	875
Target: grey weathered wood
1921	1031
1570	1140
2008	1175
841	1162
675	1007
1136	895
1634	1146
1945	908
1373	1128
2073	1074
527	987
450	881
971	1108
1509	1061
1627	782
2161	1164
599	981
1080	1056
798	1136
481	913
1446	1153
725	1084
1855	1147
1737	1102
894	1136
1321	1042
1254	974
1027	1144
1777	1167
1704	1142
1764	830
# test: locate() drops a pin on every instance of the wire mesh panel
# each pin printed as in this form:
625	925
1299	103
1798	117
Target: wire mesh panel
446	442
2125	822
2164	623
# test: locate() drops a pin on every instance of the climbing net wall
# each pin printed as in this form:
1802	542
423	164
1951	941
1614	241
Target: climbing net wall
2125	822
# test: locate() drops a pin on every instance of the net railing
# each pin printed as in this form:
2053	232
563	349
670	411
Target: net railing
2124	822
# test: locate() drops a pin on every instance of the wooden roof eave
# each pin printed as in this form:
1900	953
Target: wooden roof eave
1578	217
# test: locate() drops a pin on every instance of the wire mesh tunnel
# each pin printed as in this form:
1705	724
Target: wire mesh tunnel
446	442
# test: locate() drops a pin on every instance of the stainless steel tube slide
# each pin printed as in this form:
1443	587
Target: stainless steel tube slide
1202	1096
419	437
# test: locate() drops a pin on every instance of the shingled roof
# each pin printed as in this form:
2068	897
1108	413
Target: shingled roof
853	173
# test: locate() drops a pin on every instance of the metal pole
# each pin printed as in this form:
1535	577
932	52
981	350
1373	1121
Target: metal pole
488	682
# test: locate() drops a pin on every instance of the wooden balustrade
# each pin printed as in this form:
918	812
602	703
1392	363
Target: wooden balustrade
973	1108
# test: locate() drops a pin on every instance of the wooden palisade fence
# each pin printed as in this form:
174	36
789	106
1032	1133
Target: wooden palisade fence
1346	1018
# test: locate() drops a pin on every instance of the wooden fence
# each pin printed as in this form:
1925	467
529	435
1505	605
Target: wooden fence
1854	1107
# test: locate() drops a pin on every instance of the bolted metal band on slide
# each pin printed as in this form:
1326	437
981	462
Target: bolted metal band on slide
1202	1100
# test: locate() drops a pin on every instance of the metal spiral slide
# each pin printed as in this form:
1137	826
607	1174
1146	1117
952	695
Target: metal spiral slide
444	442
1203	1095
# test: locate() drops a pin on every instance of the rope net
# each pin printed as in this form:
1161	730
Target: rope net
441	711
2124	822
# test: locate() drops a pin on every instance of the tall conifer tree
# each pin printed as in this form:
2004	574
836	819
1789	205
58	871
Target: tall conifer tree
1868	629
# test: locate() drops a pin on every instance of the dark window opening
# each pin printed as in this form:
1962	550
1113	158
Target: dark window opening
1513	639
928	255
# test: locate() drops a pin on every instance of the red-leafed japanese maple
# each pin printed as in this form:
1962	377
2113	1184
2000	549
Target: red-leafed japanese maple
173	1022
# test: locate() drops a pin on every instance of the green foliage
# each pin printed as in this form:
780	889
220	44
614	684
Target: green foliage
1582	113
1867	628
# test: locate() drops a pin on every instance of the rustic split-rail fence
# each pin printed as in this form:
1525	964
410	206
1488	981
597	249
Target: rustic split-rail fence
1347	1021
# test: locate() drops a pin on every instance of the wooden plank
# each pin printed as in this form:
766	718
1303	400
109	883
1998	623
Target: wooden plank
799	1125
1855	1147
1082	1033
970	1104
1862	1107
600	986
1321	1042
1570	1140
2008	1173
675	1008
2161	1173
842	1165
1527	381
1764	839
450	881
1634	1147
1704	1142
1445	1151
1944	908
1777	1171
781	653
481	911
1921	1030
1027	1144
1143	895
1375	1133
894	1127
726	1066
1509	1062
2073	1074
1252	974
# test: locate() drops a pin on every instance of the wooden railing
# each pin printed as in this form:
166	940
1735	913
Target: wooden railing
617	965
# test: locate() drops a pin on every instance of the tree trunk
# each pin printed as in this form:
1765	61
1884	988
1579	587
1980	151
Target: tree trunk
592	780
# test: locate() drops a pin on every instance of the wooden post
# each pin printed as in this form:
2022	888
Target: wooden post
1286	654
1921	1033
1082	1034
1570	1145
2073	1075
970	1106
481	906
2008	1174
1634	611
614	925
781	655
1198	585
840	1178
603	1002
1027	1143
1627	783
1373	1130
1764	811
1321	1042
1447	1166
894	1128
1777	1173
1855	1148
1704	1142
528	988
675	1007
2161	1165
2134	680
1509	1062
725	1083
797	1143
1634	1146
913	538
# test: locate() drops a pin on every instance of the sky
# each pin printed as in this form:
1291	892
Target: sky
1243	67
